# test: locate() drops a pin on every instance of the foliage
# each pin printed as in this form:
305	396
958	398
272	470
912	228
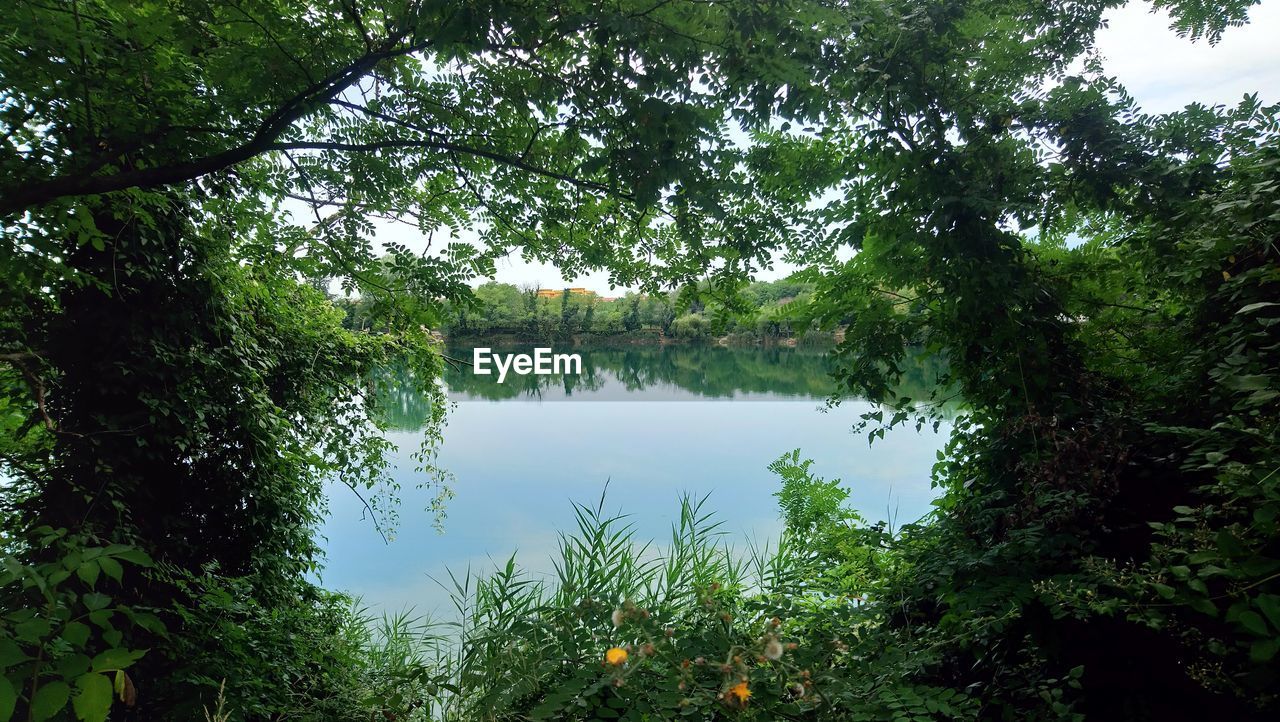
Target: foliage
175	383
763	313
692	628
690	326
570	131
321	658
62	638
846	554
194	412
626	631
1098	281
182	180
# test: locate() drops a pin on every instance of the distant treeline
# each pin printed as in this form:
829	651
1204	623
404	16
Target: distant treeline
765	312
703	371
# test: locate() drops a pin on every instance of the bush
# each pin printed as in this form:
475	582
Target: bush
630	631
67	651
691	327
63	649
316	659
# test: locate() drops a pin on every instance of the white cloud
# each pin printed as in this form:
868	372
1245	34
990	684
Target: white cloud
1165	72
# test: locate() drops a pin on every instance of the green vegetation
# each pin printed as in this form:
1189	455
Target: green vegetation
176	179
702	371
179	181
763	312
707	371
627	632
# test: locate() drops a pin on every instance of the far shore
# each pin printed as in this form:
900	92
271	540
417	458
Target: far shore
649	337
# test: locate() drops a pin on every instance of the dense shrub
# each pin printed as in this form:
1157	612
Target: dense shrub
690	327
630	630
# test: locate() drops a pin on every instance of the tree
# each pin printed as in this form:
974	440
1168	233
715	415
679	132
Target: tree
173	175
631	319
568	313
1063	540
588	316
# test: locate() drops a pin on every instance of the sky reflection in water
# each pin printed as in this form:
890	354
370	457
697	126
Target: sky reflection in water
653	423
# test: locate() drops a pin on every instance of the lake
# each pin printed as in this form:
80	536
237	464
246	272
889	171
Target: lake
651	422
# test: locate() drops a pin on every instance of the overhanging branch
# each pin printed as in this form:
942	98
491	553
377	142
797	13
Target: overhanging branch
264	137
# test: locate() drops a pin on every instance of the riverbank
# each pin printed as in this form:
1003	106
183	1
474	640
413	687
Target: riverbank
648	337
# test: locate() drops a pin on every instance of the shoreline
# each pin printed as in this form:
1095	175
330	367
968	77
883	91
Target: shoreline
650	338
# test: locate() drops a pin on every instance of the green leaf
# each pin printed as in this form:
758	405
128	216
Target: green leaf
1264	650
111	568
1249	619
1204	606
93	601
1249	382
1229	544
116	659
76	633
1203	557
11	654
1255	306
49	700
149	622
135	556
8	699
92	702
1266	514
72	665
1270	606
32	630
88	572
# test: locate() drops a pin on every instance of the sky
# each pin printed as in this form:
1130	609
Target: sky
1161	71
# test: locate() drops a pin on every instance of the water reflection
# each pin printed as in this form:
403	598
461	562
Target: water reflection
664	421
647	373
684	372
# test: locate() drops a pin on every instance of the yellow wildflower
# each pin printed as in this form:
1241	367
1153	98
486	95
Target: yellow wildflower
615	656
741	691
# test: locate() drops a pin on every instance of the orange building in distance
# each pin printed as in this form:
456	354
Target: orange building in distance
556	293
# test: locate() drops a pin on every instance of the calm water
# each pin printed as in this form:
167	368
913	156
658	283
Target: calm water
651	422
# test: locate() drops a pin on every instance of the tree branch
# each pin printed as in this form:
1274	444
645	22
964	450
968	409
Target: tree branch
446	145
81	184
34	382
